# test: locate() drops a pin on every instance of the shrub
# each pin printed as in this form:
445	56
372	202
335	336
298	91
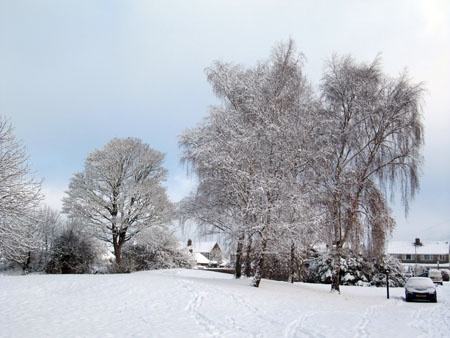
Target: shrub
356	270
153	250
396	274
71	253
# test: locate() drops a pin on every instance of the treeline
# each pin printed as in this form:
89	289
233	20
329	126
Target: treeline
281	166
117	198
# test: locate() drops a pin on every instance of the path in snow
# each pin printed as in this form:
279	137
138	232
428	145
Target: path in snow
194	303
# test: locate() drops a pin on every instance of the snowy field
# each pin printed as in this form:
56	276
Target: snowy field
195	303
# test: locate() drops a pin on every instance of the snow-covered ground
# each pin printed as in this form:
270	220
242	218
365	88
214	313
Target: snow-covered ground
196	303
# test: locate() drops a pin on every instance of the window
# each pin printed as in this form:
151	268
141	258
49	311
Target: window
427	257
442	258
408	257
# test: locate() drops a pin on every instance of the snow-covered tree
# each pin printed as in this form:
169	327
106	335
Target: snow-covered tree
253	154
20	196
376	133
273	162
120	192
71	251
49	226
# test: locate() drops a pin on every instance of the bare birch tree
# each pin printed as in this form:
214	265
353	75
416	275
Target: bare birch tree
256	146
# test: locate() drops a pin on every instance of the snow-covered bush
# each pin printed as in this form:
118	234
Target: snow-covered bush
71	253
155	249
356	270
138	257
277	266
396	273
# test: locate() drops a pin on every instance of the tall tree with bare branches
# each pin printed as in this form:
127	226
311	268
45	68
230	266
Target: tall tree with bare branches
20	195
252	151
119	192
375	127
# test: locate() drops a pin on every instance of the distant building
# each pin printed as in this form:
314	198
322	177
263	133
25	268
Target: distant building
424	254
206	253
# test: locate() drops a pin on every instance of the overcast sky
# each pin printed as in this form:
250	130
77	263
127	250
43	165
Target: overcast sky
74	74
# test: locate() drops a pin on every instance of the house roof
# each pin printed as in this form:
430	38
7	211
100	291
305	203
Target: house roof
200	259
203	246
427	248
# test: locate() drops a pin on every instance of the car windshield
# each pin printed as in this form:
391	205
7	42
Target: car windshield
421	282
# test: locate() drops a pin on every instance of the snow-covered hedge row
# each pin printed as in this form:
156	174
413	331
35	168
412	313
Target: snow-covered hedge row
355	270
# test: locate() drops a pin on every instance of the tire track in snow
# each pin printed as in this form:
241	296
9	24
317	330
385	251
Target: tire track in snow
437	322
432	319
362	328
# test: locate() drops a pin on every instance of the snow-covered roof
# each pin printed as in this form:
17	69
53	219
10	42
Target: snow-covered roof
200	259
427	247
203	246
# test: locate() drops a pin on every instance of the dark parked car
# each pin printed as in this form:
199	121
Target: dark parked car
445	275
420	288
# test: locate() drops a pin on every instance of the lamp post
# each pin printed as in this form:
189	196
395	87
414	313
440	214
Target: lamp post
415	257
387	283
416	243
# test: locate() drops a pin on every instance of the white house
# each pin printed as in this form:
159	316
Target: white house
205	253
421	254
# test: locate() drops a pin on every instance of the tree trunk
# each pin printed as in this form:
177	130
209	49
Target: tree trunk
27	262
238	259
259	266
336	247
352	222
248	257
118	252
336	276
292	264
